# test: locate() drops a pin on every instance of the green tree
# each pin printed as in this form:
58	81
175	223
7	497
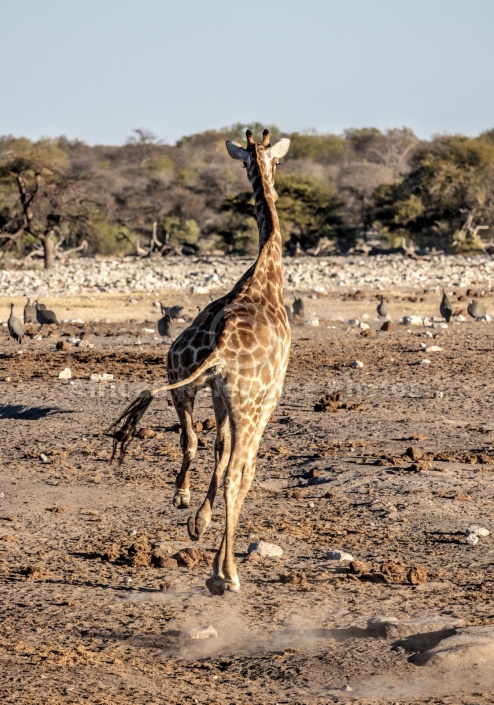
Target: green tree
451	180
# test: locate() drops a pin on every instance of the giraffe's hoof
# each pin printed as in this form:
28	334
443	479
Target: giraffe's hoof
181	499
196	526
218	586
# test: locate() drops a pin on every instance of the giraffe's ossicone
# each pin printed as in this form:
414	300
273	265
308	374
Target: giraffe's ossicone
239	347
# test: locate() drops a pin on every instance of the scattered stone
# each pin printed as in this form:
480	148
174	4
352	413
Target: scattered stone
209	424
101	377
190	557
393	572
388	326
144	433
412	321
423	362
479	531
336	555
297	579
356	364
358	567
264	549
472	539
65	374
433	348
417	575
208	632
44	459
414	453
64	345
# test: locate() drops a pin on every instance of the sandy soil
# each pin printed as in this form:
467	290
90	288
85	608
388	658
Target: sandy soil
99	592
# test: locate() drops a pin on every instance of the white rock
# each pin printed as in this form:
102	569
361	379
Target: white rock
356	364
336	555
265	549
84	344
438	394
488	317
423	362
433	348
477	531
203	633
363	326
459	317
137	342
412	321
149	330
44	459
65	374
472	539
313	322
101	377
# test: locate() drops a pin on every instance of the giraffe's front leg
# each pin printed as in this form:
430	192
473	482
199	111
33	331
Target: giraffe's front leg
184	405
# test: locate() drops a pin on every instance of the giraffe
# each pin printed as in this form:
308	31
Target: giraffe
239	347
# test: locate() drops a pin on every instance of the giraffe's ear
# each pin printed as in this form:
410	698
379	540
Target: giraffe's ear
279	149
236	151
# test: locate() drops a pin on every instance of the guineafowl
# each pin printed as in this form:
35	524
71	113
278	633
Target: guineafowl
298	307
29	313
445	307
172	311
382	308
476	310
16	331
165	326
44	315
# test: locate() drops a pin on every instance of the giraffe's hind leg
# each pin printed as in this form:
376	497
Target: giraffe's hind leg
184	405
198	524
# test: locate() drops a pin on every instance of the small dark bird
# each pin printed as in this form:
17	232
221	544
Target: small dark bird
16	331
166	327
44	315
29	313
445	307
382	308
289	314
172	311
476	310
298	307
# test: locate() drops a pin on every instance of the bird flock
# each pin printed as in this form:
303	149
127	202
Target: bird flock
37	313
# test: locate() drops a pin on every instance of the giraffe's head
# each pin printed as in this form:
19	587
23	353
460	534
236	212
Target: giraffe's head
260	158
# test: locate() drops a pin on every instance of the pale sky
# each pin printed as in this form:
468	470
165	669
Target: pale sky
96	70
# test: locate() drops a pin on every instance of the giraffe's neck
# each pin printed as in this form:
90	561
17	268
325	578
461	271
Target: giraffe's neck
267	217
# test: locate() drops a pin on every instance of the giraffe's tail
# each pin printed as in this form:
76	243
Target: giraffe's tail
134	412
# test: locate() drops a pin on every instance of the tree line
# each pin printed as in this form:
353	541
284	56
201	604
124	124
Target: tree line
336	193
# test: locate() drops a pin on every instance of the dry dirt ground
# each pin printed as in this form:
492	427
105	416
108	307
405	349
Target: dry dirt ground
100	585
